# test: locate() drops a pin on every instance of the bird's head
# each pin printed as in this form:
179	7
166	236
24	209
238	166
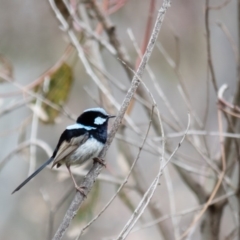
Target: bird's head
94	117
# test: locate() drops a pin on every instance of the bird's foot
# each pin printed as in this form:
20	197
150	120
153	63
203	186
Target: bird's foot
81	190
99	160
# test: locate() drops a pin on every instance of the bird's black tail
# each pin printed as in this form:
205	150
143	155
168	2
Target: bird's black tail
33	175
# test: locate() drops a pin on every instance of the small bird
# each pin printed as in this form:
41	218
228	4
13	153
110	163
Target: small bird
79	142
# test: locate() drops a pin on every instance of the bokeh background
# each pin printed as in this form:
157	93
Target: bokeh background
31	42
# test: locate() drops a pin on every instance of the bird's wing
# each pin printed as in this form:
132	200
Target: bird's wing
67	148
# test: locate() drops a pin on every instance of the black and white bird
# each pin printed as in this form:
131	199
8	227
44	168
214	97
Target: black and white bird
79	142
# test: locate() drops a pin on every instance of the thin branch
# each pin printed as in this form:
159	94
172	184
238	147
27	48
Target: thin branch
179	144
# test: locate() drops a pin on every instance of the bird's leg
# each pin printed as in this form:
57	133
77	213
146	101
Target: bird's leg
80	189
99	160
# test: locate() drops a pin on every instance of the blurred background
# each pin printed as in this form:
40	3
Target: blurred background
40	67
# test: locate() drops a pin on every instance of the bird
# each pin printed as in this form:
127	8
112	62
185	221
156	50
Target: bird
78	143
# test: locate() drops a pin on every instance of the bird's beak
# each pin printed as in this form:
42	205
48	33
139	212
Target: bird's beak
111	116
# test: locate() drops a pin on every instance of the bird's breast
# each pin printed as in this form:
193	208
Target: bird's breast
90	149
